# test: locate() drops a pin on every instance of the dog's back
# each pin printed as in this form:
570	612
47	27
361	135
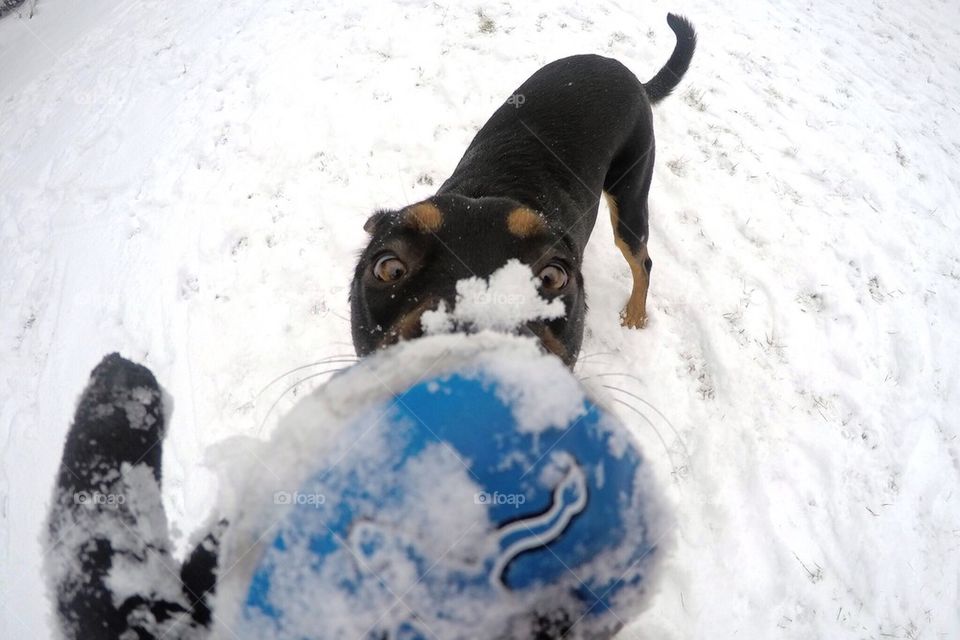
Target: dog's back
549	146
552	143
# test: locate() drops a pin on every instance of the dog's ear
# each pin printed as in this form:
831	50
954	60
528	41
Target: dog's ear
370	226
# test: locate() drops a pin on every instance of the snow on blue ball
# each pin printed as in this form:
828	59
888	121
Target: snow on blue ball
462	507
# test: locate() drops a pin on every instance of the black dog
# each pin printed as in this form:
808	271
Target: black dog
528	187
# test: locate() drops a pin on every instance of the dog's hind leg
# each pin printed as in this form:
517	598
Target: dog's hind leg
626	188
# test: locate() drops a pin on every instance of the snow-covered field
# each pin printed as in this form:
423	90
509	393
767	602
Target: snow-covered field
186	182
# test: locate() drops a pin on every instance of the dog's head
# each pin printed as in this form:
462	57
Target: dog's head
416	256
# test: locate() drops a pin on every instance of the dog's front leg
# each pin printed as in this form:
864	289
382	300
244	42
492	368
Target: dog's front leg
108	556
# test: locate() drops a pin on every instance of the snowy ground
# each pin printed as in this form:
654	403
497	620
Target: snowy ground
186	182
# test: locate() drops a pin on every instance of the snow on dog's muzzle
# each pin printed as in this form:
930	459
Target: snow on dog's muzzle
505	302
508	302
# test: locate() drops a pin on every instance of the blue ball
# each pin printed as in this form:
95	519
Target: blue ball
446	516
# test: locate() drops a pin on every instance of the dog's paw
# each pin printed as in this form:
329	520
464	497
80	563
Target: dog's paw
118	385
633	319
119	420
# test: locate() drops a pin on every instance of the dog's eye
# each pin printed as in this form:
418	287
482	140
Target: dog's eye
389	268
553	277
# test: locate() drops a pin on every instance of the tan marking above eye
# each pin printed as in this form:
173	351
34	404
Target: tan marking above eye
424	217
523	223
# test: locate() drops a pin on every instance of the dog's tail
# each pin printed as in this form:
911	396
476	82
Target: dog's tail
669	77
